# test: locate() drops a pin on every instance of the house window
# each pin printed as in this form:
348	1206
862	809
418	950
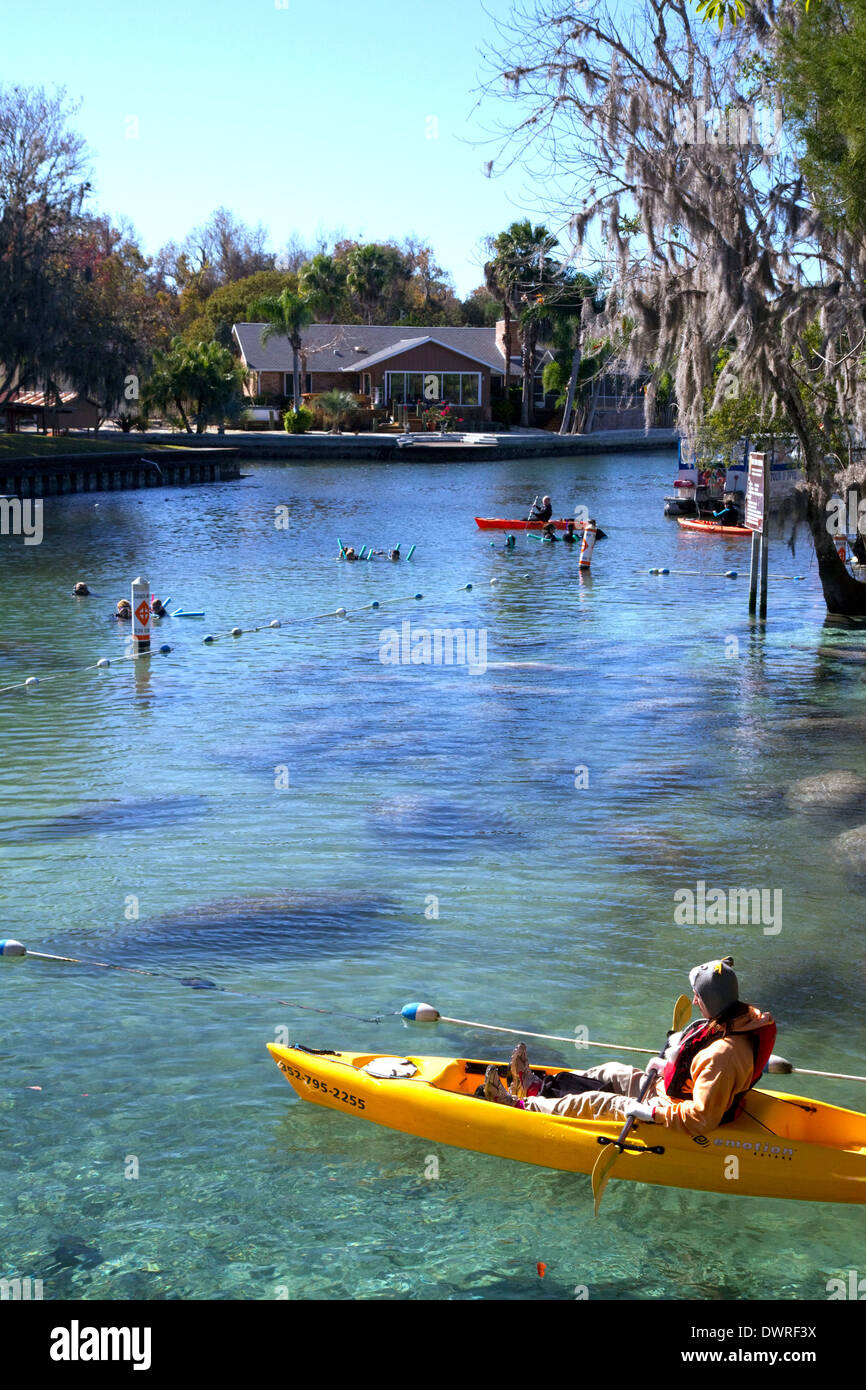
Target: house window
459	388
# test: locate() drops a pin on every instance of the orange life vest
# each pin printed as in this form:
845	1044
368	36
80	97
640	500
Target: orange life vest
678	1072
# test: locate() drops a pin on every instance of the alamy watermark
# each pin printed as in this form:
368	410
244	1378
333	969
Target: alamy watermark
719	907
730	126
17	1288
19	518
438	646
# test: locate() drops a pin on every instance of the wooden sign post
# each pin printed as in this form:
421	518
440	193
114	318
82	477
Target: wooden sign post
757	513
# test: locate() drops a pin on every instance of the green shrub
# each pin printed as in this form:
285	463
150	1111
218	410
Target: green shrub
505	412
297	421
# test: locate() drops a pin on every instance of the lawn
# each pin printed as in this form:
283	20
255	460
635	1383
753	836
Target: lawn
25	445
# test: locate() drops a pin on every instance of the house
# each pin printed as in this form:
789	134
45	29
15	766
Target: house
396	366
391	366
41	409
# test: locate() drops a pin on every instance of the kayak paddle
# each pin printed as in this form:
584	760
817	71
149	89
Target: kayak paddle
608	1156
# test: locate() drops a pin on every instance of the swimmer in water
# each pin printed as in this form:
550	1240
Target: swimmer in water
123	611
81	590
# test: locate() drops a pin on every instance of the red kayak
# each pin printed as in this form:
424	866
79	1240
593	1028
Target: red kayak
694	523
496	523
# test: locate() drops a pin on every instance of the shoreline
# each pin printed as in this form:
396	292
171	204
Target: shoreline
179	460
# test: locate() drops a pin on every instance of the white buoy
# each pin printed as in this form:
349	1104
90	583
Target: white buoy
339	612
237	632
275	623
103	661
494	580
587	545
12	948
140	616
31	681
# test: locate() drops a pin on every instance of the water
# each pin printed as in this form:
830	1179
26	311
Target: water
152	789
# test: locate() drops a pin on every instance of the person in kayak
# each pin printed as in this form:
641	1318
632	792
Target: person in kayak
542	513
727	516
699	1082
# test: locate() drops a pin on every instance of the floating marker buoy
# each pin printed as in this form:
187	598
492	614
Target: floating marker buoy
420	1013
730	574
339	612
31	681
207	639
165	649
417	596
664	571
656	570
494	580
237	632
526	576
275	623
12	948
375	603
467	587
103	661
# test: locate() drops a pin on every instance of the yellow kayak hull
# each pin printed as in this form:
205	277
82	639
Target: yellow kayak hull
785	1146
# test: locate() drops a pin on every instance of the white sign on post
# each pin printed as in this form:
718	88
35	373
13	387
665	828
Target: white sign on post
141	614
755	501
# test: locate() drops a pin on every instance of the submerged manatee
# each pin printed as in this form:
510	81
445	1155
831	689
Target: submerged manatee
416	822
302	921
103	817
839	793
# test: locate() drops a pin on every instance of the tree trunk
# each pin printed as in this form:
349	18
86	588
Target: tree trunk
527	405
182	414
296	375
572	389
843	594
590	415
506	316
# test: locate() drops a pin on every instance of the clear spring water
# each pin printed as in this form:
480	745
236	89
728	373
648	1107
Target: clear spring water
156	781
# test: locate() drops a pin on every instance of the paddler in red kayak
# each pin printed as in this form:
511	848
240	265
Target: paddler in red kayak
542	513
701	1079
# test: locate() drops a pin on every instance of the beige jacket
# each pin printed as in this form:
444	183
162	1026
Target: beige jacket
718	1072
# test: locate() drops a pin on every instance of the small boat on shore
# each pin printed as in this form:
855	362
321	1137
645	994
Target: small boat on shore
700	523
787	1146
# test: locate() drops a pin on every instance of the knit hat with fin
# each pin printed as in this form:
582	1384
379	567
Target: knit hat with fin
716	985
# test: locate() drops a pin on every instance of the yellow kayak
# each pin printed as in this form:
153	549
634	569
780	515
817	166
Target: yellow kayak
786	1146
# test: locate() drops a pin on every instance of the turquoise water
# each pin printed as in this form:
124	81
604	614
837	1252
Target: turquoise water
150	788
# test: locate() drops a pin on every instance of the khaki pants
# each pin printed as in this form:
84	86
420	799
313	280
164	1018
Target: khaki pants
595	1105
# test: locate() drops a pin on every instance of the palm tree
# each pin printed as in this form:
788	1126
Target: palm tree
525	271
368	268
336	406
285	315
322	281
496	280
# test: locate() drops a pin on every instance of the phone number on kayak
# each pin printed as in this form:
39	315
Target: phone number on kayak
316	1085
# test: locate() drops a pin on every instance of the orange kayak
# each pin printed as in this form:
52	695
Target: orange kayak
695	523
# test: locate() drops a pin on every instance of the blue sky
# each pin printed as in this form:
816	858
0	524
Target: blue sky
300	115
